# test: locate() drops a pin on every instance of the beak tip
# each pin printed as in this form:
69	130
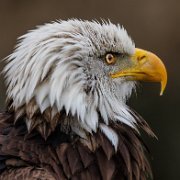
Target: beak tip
163	87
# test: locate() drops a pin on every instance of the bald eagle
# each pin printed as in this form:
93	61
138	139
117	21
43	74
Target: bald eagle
67	118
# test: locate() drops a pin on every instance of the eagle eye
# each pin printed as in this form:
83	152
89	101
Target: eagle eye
110	59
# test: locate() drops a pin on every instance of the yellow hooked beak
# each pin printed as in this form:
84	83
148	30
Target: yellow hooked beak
146	67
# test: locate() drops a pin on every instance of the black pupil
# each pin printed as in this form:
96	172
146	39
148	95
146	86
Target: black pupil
110	57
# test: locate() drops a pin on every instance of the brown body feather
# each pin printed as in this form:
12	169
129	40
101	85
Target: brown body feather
26	155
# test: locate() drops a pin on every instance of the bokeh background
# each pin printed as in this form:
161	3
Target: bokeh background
153	25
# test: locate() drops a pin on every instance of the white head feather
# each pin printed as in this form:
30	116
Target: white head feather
60	65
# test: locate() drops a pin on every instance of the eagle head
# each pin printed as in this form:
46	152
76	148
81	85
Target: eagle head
78	74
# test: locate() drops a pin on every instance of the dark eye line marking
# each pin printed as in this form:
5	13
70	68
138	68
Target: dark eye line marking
115	54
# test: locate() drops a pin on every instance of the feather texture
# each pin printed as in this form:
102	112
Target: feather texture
63	157
59	66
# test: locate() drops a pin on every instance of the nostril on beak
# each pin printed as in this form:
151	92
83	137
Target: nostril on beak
141	57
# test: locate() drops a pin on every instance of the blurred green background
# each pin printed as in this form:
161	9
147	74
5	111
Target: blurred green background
153	24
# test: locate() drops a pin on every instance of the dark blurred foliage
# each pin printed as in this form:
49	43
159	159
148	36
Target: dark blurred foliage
153	25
